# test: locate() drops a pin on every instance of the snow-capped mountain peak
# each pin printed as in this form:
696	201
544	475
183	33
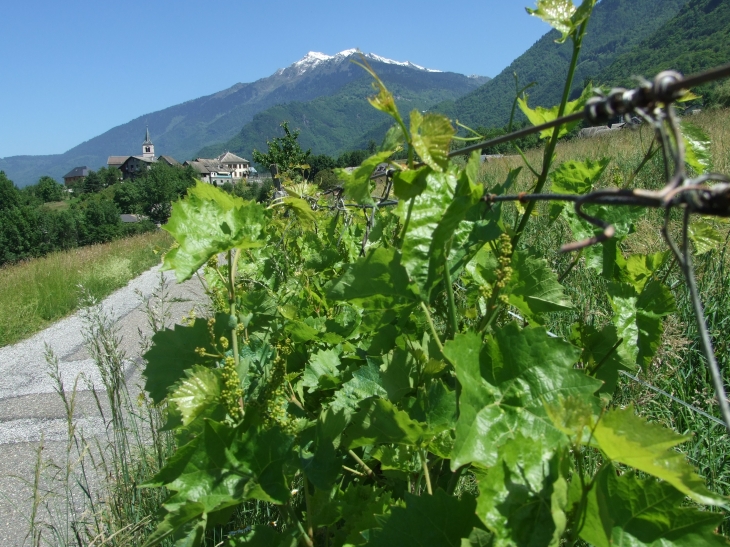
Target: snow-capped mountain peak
316	58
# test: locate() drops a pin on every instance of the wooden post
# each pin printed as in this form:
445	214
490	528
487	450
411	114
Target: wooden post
275	176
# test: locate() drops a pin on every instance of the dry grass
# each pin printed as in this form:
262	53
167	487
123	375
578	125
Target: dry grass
37	292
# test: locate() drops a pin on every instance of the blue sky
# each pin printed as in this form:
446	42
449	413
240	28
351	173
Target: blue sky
74	69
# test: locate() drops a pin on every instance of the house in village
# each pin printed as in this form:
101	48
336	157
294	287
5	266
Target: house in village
75	175
225	168
130	166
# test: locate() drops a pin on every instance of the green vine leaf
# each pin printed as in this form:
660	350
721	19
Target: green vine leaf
540	115
431	134
562	15
507	382
199	390
380	422
322	371
639	318
697	148
523	498
207	222
575	177
704	236
357	183
534	288
439	520
377	279
410	183
173	352
365	382
625	511
626	438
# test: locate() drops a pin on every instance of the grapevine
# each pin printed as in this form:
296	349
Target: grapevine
364	352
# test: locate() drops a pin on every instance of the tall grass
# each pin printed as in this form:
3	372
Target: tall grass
37	292
679	367
92	497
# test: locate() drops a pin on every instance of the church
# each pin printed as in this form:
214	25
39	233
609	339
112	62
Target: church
131	166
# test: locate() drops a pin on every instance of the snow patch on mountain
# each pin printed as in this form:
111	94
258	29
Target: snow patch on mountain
315	58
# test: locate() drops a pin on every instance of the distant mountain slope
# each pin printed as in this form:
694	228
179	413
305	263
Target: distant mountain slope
616	27
696	39
182	130
333	124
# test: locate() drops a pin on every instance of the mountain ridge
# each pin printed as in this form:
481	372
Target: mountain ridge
182	130
616	26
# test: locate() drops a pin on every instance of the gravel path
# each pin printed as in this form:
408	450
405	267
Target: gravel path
29	406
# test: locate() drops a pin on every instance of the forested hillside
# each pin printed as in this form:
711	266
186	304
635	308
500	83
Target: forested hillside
696	39
617	27
333	124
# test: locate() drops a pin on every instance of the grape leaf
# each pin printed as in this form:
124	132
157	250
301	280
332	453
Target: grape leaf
638	318
362	506
522	499
562	15
173	351
697	147
600	356
200	389
431	135
411	183
626	438
380	422
540	115
534	288
322	371
625	511
365	382
380	273
209	221
705	237
506	384
320	461
357	183
467	194
439	520
420	218
575	177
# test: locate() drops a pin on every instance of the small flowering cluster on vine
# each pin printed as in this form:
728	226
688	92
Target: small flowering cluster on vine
231	394
504	270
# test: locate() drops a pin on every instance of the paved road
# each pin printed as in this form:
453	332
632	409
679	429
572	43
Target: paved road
31	410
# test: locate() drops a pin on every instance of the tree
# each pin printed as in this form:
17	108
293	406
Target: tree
9	195
320	163
92	183
47	190
326	179
284	151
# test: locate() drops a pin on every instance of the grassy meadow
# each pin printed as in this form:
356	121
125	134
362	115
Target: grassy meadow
37	292
679	367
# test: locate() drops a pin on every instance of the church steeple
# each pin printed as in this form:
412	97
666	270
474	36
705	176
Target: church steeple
148	149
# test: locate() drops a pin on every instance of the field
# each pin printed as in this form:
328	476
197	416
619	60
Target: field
35	293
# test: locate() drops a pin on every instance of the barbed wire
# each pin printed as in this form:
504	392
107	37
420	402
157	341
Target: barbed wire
654	102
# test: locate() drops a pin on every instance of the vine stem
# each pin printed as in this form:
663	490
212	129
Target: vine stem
432	327
453	324
362	464
426	474
550	149
232	267
308	503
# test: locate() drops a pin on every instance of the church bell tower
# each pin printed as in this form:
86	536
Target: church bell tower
148	149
